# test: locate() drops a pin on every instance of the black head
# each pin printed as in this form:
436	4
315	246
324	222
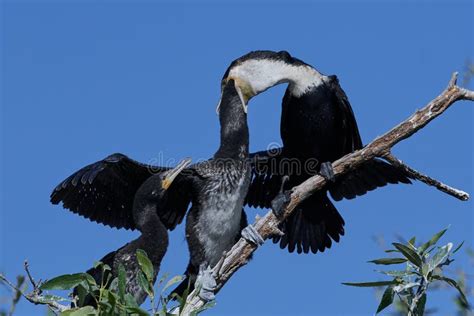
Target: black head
233	121
232	107
170	175
153	193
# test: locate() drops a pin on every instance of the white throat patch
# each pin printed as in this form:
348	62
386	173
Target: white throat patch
263	74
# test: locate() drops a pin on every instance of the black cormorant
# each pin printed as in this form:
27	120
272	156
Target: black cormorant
149	200
103	191
317	127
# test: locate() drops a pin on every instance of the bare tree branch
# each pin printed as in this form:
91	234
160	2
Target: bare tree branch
463	196
35	296
381	147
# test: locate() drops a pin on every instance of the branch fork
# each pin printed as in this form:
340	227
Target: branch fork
35	296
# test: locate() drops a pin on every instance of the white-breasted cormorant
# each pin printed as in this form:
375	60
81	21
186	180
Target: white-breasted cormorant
317	127
216	218
103	192
149	200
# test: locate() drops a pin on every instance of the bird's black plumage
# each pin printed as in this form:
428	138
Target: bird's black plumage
149	199
317	126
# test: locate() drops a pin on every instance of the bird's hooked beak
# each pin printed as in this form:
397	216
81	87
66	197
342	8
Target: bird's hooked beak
244	90
173	173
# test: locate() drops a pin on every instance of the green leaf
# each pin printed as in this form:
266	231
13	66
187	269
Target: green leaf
387	261
64	282
174	280
387	299
208	305
89	279
409	253
51	298
106	267
20	283
397	274
121	281
145	265
161	313
137	311
458	247
113	299
104	303
405	286
55	298
130	300
412	241
83	311
114	285
425	269
455	285
432	241
144	284
371	284
98	264
440	256
89	285
81	293
420	306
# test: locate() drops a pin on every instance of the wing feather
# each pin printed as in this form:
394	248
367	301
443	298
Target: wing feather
104	191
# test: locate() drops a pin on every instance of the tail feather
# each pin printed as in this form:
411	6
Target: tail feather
311	226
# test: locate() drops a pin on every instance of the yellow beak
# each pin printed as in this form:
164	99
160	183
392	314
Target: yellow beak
173	173
244	90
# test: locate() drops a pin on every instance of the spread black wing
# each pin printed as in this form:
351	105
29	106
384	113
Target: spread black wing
104	191
266	177
370	175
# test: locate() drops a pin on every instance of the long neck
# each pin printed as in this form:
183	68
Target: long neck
301	79
234	133
154	237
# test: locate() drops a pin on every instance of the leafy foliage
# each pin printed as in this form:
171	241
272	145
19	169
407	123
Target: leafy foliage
423	267
109	296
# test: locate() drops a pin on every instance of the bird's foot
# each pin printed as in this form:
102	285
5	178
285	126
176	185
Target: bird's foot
327	171
250	234
282	199
206	283
280	202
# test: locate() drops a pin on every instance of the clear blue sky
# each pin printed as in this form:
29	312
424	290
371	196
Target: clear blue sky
81	80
